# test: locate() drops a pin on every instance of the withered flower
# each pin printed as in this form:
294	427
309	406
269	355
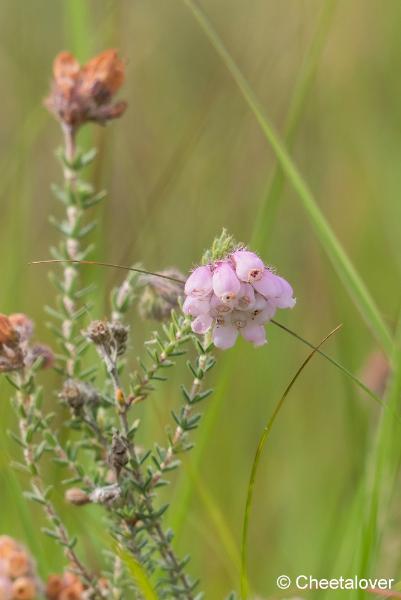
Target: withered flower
160	296
84	93
118	454
77	393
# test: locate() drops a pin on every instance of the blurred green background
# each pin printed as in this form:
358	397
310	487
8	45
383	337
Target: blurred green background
187	159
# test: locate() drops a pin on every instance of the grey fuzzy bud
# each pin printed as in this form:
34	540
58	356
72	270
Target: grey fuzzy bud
160	296
108	495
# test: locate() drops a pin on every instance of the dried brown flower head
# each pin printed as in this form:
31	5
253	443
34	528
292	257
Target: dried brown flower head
81	94
77	393
8	335
16	351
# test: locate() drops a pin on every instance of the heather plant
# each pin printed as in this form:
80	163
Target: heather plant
231	291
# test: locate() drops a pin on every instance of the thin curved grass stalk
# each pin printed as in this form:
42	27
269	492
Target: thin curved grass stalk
342	264
107	264
262	441
334	362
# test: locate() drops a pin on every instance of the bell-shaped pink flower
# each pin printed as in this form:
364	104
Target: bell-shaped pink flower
226	284
269	285
202	324
224	335
194	306
248	266
254	333
246	297
266	314
286	297
199	283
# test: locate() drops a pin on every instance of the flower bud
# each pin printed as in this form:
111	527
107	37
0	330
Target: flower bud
77	497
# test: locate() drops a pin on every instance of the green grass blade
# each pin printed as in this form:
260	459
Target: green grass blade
384	464
262	441
265	221
138	574
339	259
216	517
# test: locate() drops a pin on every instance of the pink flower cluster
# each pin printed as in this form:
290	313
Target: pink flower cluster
236	295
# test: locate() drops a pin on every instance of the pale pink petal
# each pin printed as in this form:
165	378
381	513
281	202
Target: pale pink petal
226	284
202	324
224	336
254	333
269	286
286	297
265	315
199	283
260	302
218	307
246	297
248	266
195	306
